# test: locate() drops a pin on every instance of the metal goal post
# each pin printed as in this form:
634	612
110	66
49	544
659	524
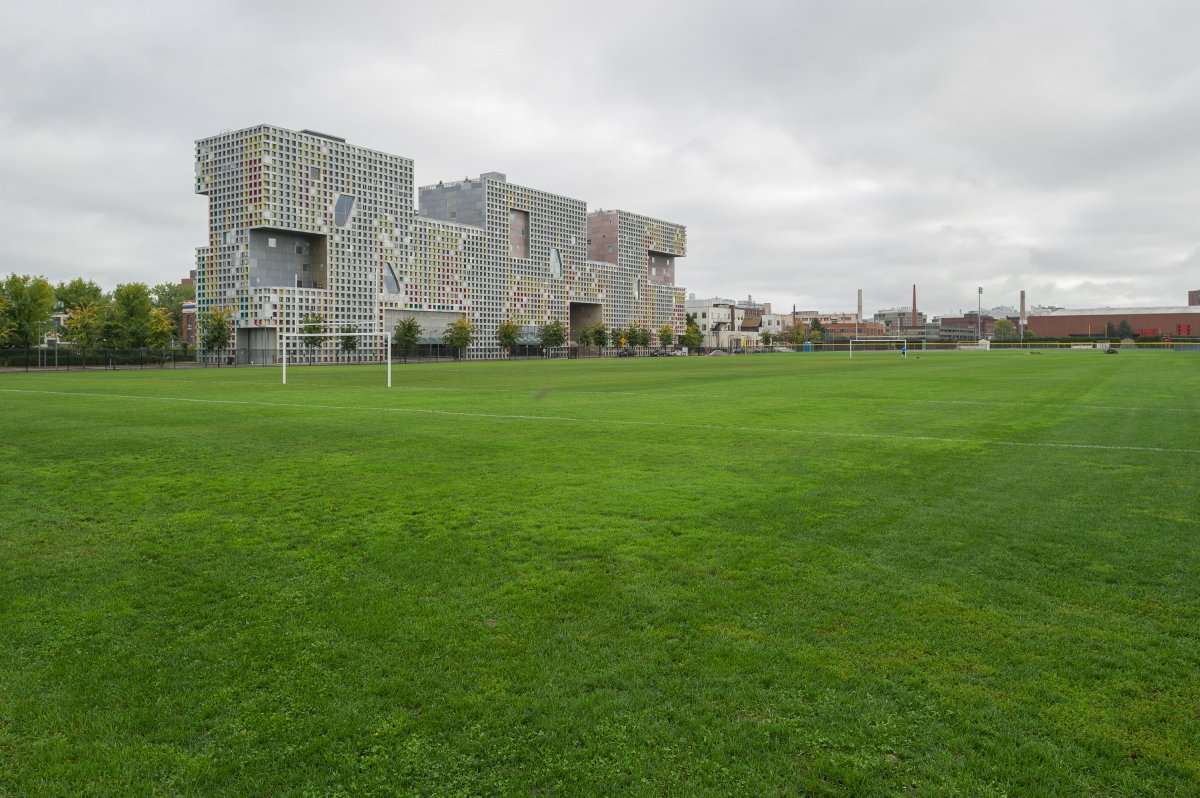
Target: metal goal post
387	344
862	341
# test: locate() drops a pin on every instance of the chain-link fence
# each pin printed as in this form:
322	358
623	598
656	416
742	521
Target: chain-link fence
65	358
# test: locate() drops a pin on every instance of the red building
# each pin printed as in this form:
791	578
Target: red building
1176	322
866	329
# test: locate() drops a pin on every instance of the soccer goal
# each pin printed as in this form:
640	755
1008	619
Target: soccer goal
284	337
877	344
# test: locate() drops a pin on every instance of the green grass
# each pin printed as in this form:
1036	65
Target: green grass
966	574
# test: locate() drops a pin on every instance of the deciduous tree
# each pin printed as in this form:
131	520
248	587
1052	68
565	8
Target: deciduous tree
553	334
172	296
84	323
349	343
406	335
160	329
507	332
600	334
666	336
127	321
459	334
692	337
312	326
215	332
77	293
28	302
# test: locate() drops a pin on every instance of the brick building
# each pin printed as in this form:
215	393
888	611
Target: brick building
1173	321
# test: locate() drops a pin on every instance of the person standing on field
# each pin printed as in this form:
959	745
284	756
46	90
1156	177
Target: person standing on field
904	351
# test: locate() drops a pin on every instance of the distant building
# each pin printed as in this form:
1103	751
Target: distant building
187	318
725	324
865	329
301	222
980	325
1194	298
898	319
187	323
1065	323
774	323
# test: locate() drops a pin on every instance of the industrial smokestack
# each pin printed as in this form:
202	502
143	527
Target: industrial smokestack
914	307
1022	307
860	304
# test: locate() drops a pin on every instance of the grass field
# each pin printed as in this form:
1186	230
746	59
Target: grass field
969	574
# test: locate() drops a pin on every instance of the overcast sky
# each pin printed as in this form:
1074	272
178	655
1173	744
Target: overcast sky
811	148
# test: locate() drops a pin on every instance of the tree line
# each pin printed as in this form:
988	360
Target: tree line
132	316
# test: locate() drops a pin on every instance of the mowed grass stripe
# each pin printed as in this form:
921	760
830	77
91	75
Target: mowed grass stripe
616	421
204	598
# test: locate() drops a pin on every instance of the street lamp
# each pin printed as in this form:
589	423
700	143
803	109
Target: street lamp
979	316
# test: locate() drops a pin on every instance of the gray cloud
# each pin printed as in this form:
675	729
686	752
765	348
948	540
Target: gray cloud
813	148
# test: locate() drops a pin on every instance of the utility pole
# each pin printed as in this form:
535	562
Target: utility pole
1022	315
979	315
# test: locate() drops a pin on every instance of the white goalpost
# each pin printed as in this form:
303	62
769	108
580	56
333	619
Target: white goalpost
387	344
865	341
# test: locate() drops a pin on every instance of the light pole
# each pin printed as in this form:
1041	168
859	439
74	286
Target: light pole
979	315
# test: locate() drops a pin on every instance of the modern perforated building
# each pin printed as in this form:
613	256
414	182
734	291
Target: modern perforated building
302	222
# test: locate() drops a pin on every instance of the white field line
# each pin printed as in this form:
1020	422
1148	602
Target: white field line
740	397
625	422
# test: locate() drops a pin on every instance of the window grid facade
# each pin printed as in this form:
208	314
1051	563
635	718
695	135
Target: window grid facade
301	222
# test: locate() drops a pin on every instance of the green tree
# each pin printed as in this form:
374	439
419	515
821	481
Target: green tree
28	302
584	336
507	332
406	335
458	335
692	337
1124	330
349	343
768	337
600	334
666	336
172	296
312	326
794	334
1110	330
644	336
160	329
215	331
1003	330
553	334
77	293
5	319
127	322
816	329
84	324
